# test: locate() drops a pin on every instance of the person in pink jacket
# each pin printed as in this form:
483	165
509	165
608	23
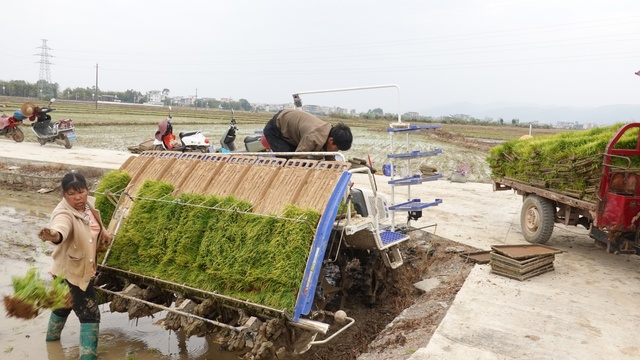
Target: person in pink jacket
76	231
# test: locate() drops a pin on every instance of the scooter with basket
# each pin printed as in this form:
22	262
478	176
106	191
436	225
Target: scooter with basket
61	132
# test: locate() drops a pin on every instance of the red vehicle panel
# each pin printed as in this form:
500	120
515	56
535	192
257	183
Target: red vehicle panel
619	192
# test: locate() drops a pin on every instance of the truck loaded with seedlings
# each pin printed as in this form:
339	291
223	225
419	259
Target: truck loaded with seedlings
249	250
589	178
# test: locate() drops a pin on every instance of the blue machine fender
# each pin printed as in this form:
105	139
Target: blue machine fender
319	247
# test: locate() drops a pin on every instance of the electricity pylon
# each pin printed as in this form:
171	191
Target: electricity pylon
45	68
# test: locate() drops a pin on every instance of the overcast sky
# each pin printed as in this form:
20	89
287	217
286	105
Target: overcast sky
537	52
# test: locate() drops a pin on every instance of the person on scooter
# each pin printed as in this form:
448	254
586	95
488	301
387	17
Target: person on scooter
165	133
297	131
77	232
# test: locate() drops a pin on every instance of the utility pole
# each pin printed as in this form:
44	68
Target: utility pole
196	99
96	86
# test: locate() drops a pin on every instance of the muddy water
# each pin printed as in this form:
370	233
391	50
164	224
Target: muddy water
21	214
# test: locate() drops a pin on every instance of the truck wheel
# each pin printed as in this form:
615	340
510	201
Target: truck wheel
537	219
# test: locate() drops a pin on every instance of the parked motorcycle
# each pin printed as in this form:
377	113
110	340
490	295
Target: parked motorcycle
9	125
252	143
189	141
61	132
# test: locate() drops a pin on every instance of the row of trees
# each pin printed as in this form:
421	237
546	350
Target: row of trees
43	90
242	104
40	90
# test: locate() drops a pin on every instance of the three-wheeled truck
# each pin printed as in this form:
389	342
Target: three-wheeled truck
612	217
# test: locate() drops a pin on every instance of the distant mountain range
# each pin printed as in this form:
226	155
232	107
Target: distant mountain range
602	115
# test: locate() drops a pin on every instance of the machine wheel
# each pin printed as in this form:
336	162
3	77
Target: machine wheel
374	274
42	141
157	147
18	135
537	219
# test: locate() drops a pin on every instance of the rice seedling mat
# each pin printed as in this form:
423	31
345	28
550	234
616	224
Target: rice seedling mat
241	226
268	183
568	163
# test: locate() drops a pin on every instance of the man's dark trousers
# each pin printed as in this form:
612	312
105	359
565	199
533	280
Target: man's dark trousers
274	136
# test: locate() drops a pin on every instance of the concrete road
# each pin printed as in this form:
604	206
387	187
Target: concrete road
585	309
79	156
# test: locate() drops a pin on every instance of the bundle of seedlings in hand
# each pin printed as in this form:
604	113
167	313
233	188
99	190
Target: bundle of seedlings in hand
58	295
31	294
216	244
570	162
112	183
